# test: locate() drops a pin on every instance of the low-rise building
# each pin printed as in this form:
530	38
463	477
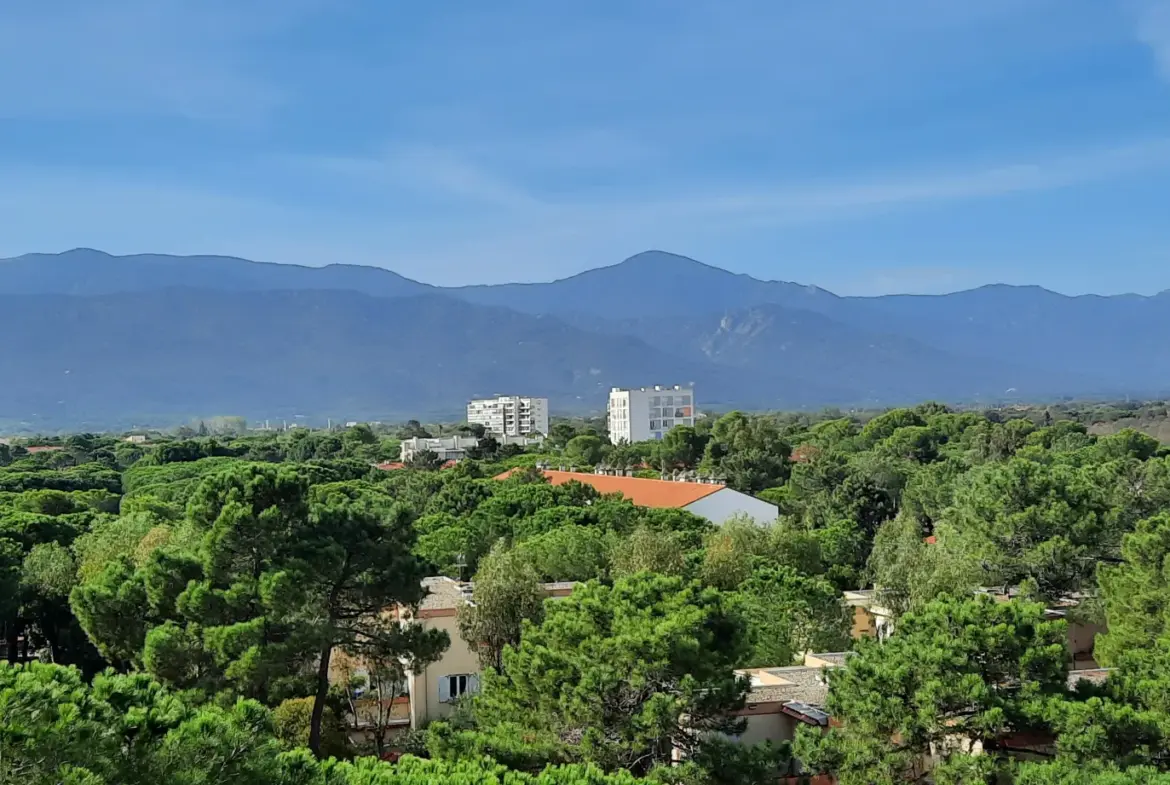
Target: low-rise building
435	690
711	500
780	700
510	415
646	413
454	448
448	448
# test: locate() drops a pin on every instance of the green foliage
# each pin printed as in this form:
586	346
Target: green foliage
568	553
292	724
1026	520
584	450
281	575
958	673
617	676
749	452
788	614
647	550
125	730
1136	593
680	448
507	593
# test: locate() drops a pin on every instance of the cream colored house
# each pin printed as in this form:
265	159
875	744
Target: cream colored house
435	690
872	620
780	700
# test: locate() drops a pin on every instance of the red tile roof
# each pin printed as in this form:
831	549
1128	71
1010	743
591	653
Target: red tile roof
43	448
644	493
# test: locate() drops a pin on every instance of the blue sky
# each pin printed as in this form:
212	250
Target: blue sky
867	146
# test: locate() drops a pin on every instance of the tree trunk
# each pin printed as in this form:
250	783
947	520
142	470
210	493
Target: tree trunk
319	699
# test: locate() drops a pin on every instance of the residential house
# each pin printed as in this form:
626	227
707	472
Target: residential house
781	700
711	500
436	689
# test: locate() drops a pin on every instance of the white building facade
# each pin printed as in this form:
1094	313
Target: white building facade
646	413
510	415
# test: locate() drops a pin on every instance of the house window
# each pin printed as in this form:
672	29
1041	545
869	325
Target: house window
454	687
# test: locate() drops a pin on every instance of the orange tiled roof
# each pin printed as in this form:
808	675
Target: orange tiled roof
43	448
642	492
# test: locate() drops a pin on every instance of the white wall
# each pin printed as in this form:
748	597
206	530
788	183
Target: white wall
639	404
726	503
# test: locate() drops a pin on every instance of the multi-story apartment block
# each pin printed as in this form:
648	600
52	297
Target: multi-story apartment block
510	415
639	415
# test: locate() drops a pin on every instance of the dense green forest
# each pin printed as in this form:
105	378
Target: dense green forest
170	609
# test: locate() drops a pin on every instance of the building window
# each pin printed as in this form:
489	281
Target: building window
656	400
454	687
655	425
667	424
668	400
685	400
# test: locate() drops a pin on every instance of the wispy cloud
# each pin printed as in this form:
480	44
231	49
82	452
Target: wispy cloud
502	230
1154	31
428	170
778	203
813	201
167	57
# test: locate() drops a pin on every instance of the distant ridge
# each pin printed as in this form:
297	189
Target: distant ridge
743	341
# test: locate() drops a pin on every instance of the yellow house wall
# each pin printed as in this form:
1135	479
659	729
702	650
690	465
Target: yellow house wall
424	686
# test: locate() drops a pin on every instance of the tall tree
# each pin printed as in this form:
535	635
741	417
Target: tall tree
789	614
506	593
748	451
619	676
1136	593
957	676
350	564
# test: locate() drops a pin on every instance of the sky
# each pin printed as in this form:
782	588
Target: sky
866	146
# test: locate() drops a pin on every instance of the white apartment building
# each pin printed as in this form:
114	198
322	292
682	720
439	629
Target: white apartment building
639	415
510	415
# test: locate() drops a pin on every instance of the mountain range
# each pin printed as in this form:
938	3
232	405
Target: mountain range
100	340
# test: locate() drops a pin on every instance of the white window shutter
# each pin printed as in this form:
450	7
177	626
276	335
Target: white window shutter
444	689
473	684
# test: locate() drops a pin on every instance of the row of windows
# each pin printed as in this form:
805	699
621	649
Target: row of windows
670	400
671	411
666	425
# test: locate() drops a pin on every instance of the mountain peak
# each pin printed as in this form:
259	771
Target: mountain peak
656	259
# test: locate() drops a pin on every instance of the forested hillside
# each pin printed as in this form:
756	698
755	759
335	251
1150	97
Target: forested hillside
160	339
220	577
